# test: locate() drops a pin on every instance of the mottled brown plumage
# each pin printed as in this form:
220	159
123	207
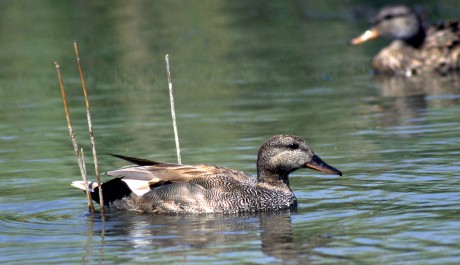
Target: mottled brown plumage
415	49
156	187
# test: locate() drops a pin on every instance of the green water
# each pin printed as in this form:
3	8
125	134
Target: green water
242	72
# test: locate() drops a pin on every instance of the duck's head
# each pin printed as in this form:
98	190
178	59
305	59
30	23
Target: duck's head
283	154
393	22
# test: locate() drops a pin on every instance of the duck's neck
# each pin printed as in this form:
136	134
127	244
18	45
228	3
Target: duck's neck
274	178
417	40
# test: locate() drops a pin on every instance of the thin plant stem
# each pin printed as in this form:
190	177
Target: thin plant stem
173	111
90	127
71	132
85	180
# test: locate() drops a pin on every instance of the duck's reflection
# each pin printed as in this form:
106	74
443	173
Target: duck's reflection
403	99
185	235
427	85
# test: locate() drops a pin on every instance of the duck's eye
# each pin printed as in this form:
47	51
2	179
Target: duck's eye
293	146
388	17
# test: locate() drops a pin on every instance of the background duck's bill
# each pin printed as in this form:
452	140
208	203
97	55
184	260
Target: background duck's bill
367	35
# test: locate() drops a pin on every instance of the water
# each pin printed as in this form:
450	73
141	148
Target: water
242	72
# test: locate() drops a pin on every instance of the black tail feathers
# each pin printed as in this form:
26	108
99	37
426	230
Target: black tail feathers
137	161
112	190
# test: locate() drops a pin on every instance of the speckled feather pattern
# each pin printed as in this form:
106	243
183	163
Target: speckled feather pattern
220	190
215	194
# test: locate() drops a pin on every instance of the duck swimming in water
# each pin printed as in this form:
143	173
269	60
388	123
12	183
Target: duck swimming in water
415	48
157	187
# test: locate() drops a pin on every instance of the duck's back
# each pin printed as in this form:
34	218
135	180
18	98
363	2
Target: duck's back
442	47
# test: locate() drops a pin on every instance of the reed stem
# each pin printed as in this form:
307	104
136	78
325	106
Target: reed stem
85	180
173	111
72	136
90	127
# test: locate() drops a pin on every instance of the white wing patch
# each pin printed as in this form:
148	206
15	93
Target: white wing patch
139	187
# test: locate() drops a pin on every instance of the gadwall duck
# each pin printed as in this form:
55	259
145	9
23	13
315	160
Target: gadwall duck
415	48
157	187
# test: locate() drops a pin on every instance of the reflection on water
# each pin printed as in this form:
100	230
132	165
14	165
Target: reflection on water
423	85
268	232
403	99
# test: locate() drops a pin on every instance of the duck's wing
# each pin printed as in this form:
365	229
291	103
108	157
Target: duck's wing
142	179
150	174
157	172
165	172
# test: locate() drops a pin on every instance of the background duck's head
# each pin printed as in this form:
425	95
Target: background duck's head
393	22
283	154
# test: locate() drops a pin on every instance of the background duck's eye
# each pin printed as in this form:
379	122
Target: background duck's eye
388	17
293	146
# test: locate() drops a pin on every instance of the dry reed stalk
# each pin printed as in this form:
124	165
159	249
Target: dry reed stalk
85	180
72	136
90	127
173	111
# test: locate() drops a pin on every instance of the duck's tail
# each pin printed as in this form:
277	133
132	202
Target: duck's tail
112	190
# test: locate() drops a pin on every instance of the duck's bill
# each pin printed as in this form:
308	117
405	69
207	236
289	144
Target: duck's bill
367	35
317	164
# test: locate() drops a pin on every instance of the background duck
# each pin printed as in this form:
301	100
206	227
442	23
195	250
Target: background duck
157	187
415	49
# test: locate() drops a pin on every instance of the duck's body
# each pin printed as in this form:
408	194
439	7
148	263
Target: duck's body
415	49
157	187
